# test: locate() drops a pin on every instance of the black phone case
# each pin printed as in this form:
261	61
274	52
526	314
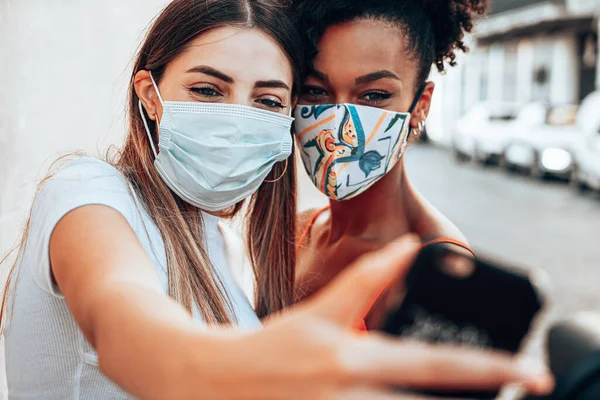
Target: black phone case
490	307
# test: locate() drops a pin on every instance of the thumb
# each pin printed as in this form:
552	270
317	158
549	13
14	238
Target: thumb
352	294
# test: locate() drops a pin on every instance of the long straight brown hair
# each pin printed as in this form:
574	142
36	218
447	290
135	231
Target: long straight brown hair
271	212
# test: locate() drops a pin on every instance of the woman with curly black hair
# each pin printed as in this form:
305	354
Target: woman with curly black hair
367	90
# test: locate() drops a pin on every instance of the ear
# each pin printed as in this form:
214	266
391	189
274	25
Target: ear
421	111
294	101
147	94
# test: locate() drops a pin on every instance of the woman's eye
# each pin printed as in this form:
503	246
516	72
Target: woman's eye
206	91
313	92
271	103
374	97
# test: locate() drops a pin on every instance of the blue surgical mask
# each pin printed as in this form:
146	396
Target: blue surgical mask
216	155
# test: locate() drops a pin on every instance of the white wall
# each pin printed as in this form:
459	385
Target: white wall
457	88
5	147
564	81
68	66
64	66
496	72
6	140
583	6
524	71
446	103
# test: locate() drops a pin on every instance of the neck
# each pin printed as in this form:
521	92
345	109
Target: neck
380	213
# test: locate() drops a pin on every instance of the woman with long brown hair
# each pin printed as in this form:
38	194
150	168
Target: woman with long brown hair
122	284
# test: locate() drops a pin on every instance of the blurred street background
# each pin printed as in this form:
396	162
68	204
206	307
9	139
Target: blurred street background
513	142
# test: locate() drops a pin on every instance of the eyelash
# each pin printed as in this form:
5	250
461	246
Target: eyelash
322	93
202	91
382	97
273	103
307	89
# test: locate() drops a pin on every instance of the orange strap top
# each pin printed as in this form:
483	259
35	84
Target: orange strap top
303	238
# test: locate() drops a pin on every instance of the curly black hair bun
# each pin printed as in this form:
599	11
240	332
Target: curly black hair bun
435	29
451	19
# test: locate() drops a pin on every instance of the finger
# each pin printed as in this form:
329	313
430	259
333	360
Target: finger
381	394
417	365
354	291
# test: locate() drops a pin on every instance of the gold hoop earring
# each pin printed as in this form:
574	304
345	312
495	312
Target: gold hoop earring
282	174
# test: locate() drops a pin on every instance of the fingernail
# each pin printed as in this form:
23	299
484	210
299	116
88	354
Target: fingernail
528	366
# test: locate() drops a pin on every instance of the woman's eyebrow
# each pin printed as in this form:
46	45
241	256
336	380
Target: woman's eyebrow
375	76
212	72
319	75
272	84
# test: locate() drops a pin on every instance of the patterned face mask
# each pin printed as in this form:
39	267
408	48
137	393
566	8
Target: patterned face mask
346	148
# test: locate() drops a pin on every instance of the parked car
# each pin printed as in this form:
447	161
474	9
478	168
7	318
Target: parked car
546	150
586	152
531	117
481	134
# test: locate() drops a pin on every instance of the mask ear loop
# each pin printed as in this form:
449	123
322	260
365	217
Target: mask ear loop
412	108
158	91
286	160
282	174
142	113
417	98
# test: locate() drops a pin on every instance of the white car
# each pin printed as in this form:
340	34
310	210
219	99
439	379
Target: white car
546	150
481	134
586	152
531	117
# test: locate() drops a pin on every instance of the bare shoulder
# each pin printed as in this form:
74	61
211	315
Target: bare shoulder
305	216
431	223
305	222
443	226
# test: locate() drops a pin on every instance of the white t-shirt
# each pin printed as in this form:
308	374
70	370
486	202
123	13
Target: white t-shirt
47	355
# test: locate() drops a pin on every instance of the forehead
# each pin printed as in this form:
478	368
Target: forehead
362	46
242	53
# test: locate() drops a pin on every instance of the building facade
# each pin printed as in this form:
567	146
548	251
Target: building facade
523	51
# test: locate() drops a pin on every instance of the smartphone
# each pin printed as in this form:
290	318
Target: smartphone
454	298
